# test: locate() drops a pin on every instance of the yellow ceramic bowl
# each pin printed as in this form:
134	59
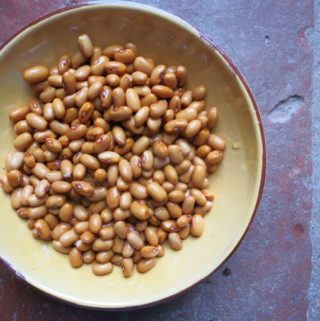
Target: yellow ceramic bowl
237	184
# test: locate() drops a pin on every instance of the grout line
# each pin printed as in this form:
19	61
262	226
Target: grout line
314	291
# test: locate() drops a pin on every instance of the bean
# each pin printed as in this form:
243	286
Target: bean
16	198
59	230
110	51
66	213
60	248
42	230
76	131
64	64
102	269
174	210
158	109
198	176
112	174
193	128
143	65
169	226
121	229
181	73
170	80
151	236
88	256
109	157
175	126
14	178
171	174
139	211
216	142
147	160
175	154
119	135
115	67
126	82
113	80
125	170
75	258
184	220
61	187
104	256
22	127
157	192
127	250
23	141
95	223
198	196
149	252
141	145
139	78
132	99
85	112
69	237
135	240
125	56
89	161
146	265
199	93
102	143
214	157
157	74
69	82
141	116
55	201
14	160
162	91
94	90
127	267
154	125
176	196
36	74
83	188
162	213
85	45
120	114
58	108
175	241
40	170
197	225
203	151
66	169
149	99
55	80
59	127
100	175
19	113
212	117
113	197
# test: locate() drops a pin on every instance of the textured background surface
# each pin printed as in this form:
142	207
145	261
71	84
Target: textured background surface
270	277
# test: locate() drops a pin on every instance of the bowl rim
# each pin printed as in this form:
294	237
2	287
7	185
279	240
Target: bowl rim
233	67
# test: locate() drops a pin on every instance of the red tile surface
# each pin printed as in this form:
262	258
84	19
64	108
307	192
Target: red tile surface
268	277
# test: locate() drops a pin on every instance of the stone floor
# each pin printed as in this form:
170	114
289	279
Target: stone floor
275	273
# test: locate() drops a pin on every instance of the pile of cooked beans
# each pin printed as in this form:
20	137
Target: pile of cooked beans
113	159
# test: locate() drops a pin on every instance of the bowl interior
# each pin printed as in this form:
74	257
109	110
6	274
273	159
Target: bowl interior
170	41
